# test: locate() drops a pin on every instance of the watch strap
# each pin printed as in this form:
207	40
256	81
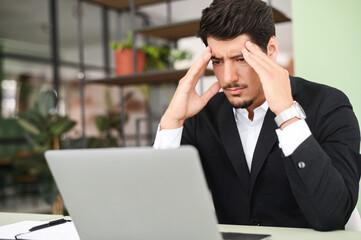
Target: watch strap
286	115
294	111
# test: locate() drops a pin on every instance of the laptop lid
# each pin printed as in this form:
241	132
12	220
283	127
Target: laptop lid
135	193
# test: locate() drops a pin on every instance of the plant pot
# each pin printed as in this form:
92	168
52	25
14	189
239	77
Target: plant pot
124	61
182	64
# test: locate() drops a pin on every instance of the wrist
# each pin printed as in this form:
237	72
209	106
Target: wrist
288	115
169	123
289	122
282	108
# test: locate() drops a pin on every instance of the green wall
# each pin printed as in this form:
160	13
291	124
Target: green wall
327	46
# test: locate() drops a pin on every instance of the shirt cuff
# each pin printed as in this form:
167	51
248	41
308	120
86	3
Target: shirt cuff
292	136
168	138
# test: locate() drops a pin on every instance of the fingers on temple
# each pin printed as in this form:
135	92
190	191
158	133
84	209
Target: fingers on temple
255	62
198	68
257	59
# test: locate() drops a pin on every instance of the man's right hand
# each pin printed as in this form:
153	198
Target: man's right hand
186	102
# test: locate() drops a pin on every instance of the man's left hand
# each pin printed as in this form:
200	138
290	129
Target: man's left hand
274	78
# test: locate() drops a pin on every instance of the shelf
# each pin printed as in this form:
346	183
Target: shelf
153	77
179	30
124	4
279	16
173	31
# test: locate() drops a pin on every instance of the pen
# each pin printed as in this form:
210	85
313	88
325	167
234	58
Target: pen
49	224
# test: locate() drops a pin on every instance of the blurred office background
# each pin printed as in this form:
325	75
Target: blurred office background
49	49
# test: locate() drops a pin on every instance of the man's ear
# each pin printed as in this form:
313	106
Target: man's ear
272	48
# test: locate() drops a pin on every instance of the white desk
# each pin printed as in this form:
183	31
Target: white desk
279	233
9	218
276	232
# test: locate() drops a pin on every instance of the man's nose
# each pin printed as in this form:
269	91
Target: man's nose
230	72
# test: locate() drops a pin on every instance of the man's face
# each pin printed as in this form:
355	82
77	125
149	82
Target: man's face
239	81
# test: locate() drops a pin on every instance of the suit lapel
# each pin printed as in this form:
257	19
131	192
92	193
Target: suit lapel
233	146
232	142
266	140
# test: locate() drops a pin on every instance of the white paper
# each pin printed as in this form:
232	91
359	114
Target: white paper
9	231
65	231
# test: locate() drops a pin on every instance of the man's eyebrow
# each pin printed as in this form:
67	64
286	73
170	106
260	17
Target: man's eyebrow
215	58
233	57
237	56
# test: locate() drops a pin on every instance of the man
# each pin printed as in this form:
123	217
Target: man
265	162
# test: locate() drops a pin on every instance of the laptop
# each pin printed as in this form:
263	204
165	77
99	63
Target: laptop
137	194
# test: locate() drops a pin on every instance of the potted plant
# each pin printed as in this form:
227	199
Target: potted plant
43	130
180	58
123	53
110	125
149	57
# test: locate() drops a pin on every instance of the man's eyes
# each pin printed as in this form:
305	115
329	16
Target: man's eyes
217	62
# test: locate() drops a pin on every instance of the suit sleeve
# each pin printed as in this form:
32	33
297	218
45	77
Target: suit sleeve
189	132
324	171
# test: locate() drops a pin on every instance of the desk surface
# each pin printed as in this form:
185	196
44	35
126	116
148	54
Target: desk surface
276	232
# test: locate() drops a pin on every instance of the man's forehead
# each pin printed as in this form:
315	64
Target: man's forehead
244	37
230	46
227	48
227	54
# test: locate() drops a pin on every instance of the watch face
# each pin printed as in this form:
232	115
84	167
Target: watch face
300	110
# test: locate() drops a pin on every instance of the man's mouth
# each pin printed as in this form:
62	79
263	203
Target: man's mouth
235	90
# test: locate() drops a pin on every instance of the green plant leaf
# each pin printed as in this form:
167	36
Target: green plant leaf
31	128
32	116
123	45
102	123
177	55
69	126
108	99
61	126
113	45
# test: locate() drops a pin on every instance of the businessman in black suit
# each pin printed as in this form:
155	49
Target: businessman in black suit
276	150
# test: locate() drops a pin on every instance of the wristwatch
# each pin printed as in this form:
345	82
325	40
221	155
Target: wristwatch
294	111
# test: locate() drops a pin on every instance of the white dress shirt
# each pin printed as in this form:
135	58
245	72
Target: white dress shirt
249	130
289	138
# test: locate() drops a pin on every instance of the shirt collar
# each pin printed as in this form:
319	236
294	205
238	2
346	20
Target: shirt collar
259	112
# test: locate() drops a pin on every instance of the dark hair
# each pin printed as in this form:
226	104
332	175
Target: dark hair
227	19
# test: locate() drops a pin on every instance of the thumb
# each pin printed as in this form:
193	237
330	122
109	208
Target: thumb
212	90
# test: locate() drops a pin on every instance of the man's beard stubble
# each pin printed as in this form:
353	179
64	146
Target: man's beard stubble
245	103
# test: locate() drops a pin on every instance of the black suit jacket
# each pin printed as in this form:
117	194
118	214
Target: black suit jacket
317	186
